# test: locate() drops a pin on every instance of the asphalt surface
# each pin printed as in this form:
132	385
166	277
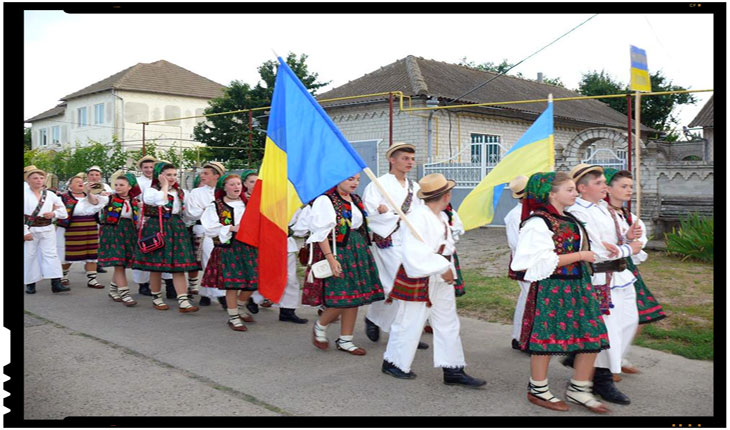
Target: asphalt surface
86	355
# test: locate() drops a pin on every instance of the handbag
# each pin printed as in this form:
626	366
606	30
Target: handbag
321	269
152	242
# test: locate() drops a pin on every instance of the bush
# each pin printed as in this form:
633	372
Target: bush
694	239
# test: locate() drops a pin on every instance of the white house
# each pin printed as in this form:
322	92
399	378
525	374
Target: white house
114	106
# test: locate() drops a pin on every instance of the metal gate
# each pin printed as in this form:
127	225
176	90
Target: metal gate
607	158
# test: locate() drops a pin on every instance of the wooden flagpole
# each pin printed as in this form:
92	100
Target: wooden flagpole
637	141
385	194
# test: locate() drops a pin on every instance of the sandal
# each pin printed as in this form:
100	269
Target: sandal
348	346
125	298
236	324
158	303
584	391
319	337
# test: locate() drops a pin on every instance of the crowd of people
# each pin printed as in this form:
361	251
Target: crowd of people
574	252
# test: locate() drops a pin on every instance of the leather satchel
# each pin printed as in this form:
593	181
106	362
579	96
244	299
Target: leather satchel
152	242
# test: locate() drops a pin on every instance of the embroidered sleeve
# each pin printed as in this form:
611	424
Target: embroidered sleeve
60	211
322	219
535	252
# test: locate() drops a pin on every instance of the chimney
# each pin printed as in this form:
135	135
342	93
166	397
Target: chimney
539	77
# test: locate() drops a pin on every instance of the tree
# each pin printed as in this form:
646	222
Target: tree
503	67
27	140
656	111
232	131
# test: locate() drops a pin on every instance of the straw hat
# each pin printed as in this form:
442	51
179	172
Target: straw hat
145	158
97	168
218	167
580	170
51	181
518	185
434	185
116	175
28	170
398	145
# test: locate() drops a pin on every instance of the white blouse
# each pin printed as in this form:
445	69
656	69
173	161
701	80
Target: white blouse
85	208
212	224
322	219
30	202
154	197
535	251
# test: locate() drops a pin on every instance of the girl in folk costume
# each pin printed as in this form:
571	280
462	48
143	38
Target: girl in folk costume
40	255
146	166
77	236
163	206
563	312
512	229
197	233
120	220
339	216
233	264
631	228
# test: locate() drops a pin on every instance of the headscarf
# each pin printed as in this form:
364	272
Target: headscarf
220	186
196	181
135	190
609	173
537	192
245	174
158	169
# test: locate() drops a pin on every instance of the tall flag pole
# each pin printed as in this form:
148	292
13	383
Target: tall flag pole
640	81
534	152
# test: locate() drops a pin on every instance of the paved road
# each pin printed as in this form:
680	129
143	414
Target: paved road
84	352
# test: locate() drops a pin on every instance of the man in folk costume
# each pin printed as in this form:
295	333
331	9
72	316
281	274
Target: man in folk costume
93	176
198	199
77	237
146	165
387	230
424	287
611	277
40	257
512	223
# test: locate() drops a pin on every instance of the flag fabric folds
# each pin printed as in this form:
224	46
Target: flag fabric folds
304	156
534	152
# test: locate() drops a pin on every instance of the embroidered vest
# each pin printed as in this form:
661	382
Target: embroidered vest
567	232
112	212
387	242
225	217
343	220
70	202
150	210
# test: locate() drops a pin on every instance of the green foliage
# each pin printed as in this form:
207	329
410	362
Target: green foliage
68	162
27	139
694	239
656	111
232	131
503	67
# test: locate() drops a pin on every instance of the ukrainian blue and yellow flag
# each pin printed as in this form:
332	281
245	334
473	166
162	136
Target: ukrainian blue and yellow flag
305	155
534	152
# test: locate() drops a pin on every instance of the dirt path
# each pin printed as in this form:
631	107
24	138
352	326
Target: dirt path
485	249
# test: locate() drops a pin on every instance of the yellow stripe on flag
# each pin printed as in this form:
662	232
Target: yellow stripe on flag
279	199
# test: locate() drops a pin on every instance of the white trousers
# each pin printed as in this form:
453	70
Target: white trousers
520	309
211	293
290	298
621	325
40	257
408	325
387	261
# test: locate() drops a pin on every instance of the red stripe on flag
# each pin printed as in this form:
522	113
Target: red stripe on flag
272	261
252	218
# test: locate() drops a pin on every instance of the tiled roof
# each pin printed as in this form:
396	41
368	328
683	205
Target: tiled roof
56	111
159	77
706	117
418	76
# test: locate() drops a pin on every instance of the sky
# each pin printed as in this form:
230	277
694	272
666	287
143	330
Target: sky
65	52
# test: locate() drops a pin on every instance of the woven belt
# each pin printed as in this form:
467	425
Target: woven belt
38	221
610	266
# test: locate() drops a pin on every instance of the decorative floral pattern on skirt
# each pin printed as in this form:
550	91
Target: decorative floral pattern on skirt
359	285
232	268
117	243
563	316
649	308
177	254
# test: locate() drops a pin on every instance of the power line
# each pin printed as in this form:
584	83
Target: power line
521	61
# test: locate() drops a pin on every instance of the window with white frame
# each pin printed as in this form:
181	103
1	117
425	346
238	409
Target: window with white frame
82	119
485	145
56	135
621	153
43	137
99	113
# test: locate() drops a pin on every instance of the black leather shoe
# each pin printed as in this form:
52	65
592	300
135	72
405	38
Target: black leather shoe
252	306
100	269
568	361
144	289
290	316
57	286
603	386
170	292
515	344
30	288
422	345
392	370
458	377
222	301
372	331
204	301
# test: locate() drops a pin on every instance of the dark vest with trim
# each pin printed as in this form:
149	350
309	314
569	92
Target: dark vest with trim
343	214
70	202
225	217
112	212
151	210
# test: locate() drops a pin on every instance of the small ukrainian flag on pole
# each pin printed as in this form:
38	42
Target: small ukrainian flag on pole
639	70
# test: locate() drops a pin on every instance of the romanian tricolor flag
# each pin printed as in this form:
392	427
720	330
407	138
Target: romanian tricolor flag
534	152
305	155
